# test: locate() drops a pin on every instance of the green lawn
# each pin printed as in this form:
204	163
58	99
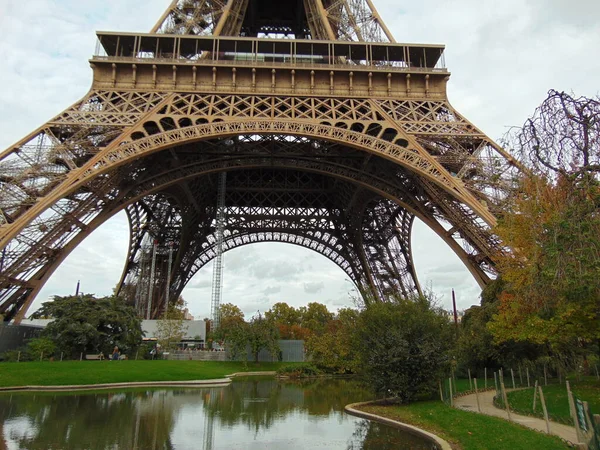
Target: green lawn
468	430
463	385
97	372
588	389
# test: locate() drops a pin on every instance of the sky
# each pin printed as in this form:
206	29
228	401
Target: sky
503	56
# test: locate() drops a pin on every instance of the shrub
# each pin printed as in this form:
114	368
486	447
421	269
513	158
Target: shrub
305	370
41	348
13	355
403	347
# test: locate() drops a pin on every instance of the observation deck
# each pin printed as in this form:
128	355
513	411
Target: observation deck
251	64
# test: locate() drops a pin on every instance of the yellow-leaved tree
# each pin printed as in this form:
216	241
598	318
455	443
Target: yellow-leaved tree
552	227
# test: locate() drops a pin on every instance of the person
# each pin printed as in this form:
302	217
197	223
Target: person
115	354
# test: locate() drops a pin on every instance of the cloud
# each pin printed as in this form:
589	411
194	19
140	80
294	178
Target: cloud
277	270
313	288
271	290
200	283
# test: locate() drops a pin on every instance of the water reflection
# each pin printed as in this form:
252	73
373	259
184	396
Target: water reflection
246	415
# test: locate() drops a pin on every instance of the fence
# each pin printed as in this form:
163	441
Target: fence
544	395
290	351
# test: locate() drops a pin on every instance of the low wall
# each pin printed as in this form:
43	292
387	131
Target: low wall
198	356
290	351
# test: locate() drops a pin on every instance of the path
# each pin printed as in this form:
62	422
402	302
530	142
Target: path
486	401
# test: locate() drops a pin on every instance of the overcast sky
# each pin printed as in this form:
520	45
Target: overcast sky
504	57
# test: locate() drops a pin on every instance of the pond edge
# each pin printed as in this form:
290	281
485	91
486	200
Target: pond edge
220	382
438	441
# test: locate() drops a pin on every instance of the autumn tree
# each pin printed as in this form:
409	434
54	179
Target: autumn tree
300	323
334	350
315	317
287	319
553	228
231	316
283	313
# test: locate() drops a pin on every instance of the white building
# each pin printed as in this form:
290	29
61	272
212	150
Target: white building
194	329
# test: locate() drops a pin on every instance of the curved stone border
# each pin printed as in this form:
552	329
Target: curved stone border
220	382
265	373
438	441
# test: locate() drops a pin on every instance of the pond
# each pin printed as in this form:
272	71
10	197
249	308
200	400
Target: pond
248	414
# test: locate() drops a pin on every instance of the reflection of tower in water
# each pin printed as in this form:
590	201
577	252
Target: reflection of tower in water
209	422
155	413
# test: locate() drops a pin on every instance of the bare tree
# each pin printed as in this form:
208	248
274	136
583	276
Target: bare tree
562	137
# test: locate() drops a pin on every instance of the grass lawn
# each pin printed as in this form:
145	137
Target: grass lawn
97	372
588	389
468	430
463	385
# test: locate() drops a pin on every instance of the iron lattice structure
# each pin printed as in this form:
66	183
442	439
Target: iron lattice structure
333	137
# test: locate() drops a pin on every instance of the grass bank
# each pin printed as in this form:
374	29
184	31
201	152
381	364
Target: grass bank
467	430
557	402
97	372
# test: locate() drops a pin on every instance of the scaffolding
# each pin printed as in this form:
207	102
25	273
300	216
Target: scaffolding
152	275
168	283
151	268
217	282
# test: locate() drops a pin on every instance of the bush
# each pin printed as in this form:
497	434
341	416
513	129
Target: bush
41	348
306	370
13	355
143	351
403	347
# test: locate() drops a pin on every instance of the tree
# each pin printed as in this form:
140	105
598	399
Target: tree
262	333
553	285
315	317
561	138
255	335
334	350
126	292
287	319
231	316
171	328
476	347
553	226
282	313
89	325
403	346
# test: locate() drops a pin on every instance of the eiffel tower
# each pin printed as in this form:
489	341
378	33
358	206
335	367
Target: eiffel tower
333	137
